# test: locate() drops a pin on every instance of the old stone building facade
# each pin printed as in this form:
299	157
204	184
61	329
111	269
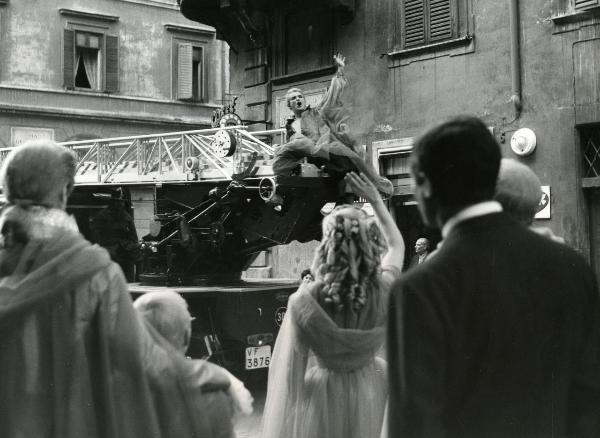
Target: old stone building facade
411	63
105	68
86	69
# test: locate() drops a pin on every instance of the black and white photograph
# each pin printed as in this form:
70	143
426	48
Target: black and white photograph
299	219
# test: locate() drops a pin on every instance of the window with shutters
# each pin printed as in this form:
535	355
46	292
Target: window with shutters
190	72
303	40
575	11
427	22
584	4
90	61
440	27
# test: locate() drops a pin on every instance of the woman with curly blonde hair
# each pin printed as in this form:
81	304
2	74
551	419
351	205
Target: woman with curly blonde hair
326	379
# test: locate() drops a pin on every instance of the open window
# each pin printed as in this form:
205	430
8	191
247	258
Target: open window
90	61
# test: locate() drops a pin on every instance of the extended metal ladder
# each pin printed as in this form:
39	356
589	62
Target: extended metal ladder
172	157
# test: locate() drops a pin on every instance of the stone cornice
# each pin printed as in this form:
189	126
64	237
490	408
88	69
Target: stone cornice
178	28
89	15
80	105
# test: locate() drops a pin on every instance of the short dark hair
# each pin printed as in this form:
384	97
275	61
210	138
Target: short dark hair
461	159
305	273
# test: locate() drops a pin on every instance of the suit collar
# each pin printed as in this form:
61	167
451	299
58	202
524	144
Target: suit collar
480	224
473	211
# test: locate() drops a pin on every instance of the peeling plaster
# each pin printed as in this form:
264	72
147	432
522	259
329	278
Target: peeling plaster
29	66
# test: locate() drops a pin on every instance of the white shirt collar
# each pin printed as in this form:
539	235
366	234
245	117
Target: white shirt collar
470	212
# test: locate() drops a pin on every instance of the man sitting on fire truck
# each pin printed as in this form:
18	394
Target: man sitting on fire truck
321	135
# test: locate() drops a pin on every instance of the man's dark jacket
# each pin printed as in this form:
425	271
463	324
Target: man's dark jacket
497	335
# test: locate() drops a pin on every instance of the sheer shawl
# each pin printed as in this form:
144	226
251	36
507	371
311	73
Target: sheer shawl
75	358
308	328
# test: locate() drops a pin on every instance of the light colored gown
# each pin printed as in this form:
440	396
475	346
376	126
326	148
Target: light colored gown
326	380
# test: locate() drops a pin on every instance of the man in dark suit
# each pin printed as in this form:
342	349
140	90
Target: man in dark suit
498	334
421	252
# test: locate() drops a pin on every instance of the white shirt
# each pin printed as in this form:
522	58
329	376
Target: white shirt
470	212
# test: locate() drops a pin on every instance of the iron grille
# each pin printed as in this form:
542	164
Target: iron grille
590	141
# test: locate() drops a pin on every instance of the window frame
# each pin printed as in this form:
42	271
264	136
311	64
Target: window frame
428	39
108	54
280	39
184	91
101	62
201	37
568	11
460	40
582	5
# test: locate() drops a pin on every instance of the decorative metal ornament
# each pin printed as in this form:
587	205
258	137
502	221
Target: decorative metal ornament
223	144
230	119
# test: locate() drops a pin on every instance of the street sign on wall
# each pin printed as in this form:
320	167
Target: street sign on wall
22	134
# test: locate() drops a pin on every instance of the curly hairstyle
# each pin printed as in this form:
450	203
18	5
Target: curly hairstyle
348	259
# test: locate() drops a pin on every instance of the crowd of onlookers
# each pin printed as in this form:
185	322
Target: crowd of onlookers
495	332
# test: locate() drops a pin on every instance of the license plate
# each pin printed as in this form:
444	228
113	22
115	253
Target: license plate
258	357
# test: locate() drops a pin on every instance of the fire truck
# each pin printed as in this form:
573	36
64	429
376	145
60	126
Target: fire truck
218	205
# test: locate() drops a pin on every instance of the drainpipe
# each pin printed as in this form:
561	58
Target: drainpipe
515	58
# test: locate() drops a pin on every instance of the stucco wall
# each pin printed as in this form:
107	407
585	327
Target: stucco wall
31	33
32	91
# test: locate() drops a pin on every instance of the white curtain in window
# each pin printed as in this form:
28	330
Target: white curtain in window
90	64
77	61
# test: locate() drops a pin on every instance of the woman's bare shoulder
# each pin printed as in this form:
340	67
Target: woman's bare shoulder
389	274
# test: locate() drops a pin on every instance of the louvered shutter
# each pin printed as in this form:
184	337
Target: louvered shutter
184	71
585	3
112	64
440	20
69	59
414	22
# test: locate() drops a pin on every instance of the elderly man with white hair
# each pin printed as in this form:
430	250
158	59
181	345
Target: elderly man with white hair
76	360
70	342
218	393
519	191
